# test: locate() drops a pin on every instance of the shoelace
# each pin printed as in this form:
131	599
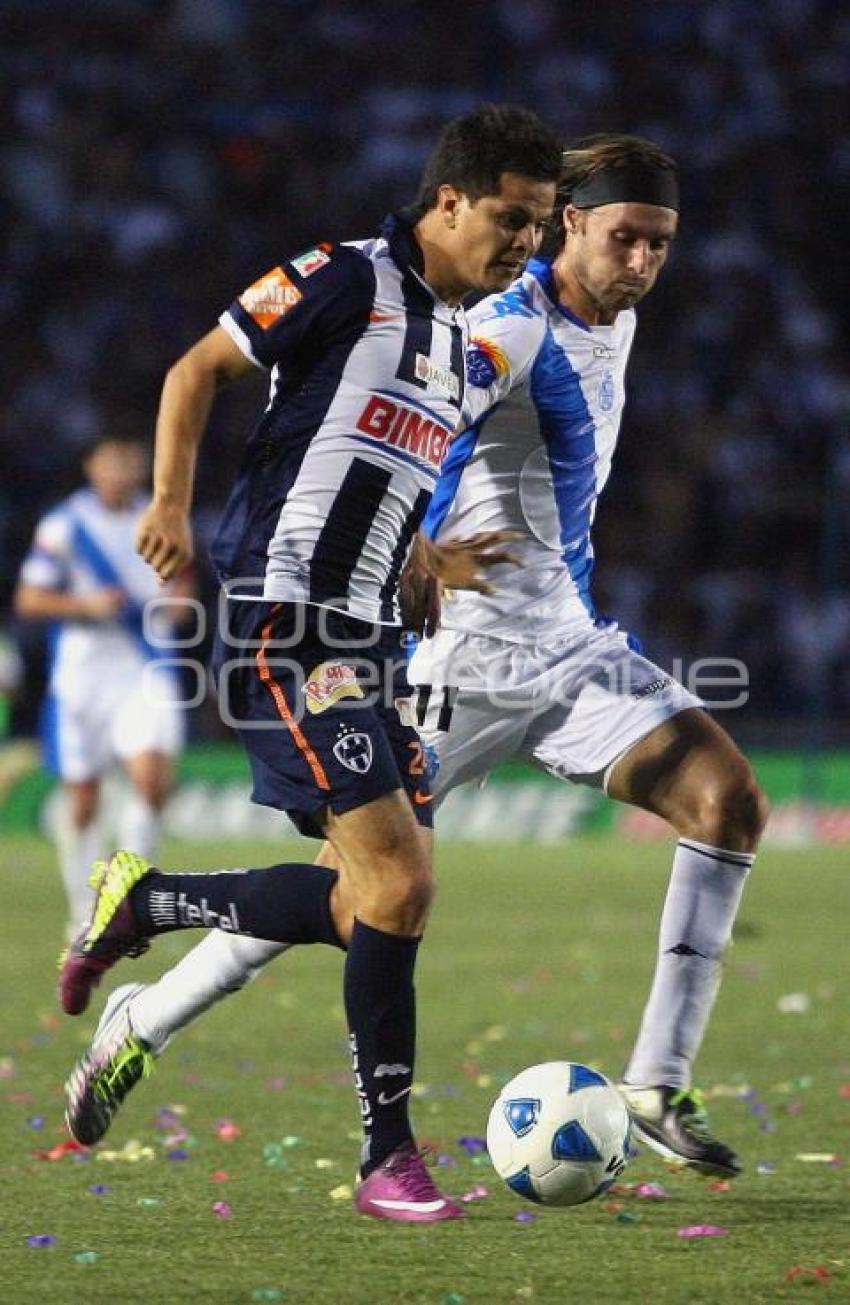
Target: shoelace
124	1070
696	1120
411	1168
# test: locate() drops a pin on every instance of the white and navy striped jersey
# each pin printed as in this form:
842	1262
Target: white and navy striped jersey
547	393
81	546
367	387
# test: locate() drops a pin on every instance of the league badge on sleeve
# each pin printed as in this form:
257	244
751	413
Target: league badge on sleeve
311	261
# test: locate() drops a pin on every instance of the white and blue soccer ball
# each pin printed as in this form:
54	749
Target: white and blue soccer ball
559	1133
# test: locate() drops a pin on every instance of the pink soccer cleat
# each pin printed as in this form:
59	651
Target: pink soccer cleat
402	1189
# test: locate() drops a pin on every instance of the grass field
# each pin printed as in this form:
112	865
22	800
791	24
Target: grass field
532	955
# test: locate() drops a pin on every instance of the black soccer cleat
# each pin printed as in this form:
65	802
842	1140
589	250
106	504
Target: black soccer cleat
674	1123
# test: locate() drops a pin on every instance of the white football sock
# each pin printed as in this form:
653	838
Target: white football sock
76	850
139	827
696	925
219	965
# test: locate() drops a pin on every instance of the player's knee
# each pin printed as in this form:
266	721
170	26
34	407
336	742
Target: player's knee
399	896
732	810
83	808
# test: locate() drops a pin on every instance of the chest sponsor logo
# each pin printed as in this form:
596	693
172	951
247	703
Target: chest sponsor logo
311	261
353	749
607	392
268	299
327	683
404	429
441	378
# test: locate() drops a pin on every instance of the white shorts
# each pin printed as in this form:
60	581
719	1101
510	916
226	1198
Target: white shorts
572	710
119	719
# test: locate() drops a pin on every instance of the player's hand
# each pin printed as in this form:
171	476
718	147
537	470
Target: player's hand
104	604
419	590
463	563
164	539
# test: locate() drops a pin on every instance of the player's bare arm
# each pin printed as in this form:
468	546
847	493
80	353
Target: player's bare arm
38	603
164	536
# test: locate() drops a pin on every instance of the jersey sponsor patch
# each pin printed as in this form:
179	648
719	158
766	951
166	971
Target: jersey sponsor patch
403	428
327	683
311	261
441	378
269	298
485	363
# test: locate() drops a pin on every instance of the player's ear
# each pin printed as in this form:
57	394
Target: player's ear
572	219
448	203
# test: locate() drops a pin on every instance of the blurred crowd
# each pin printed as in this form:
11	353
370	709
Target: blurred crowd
157	155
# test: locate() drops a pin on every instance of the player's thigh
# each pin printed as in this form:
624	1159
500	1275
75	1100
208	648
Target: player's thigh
147	719
689	771
468	716
604	700
387	857
77	739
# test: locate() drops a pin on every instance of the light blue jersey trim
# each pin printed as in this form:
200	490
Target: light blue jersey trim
569	434
459	454
86	548
544	276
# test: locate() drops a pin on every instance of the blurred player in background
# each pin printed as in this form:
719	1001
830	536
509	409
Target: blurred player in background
104	706
365	343
531	670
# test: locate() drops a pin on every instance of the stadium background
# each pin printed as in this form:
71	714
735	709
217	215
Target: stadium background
157	156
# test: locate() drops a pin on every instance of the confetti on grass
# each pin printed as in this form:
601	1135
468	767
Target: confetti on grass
819	1273
524	1216
228	1131
473	1145
341	1193
40	1240
86	1257
702	1230
223	1210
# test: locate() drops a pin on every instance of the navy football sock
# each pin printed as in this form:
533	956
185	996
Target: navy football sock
380	1004
283	903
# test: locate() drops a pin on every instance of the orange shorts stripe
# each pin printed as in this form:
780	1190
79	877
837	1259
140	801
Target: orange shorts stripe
319	773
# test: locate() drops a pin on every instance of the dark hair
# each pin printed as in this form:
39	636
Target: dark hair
96	442
586	156
474	151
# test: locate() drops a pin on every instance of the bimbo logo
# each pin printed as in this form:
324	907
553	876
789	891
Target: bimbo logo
404	429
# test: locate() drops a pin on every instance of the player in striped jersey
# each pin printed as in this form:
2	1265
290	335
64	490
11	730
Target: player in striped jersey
106	701
365	343
535	672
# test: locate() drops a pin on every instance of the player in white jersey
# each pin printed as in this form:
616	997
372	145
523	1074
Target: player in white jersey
365	343
530	670
106	701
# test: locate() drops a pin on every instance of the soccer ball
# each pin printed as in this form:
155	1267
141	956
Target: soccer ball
558	1133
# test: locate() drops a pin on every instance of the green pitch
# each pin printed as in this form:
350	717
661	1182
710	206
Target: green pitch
533	955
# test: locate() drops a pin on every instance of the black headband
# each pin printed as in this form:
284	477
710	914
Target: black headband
629	183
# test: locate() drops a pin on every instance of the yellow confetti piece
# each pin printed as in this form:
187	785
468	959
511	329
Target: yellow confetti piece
817	1157
484	1081
341	1193
495	1033
323	1163
473	1048
418	1090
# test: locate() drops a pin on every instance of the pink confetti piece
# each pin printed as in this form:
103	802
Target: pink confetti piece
476	1193
223	1210
220	1176
702	1230
652	1192
228	1131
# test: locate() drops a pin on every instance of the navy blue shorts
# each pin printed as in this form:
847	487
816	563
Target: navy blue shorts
313	695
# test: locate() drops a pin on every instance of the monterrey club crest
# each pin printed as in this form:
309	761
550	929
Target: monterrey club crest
353	749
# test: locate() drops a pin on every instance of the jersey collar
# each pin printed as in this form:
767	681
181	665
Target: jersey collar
397	230
541	270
